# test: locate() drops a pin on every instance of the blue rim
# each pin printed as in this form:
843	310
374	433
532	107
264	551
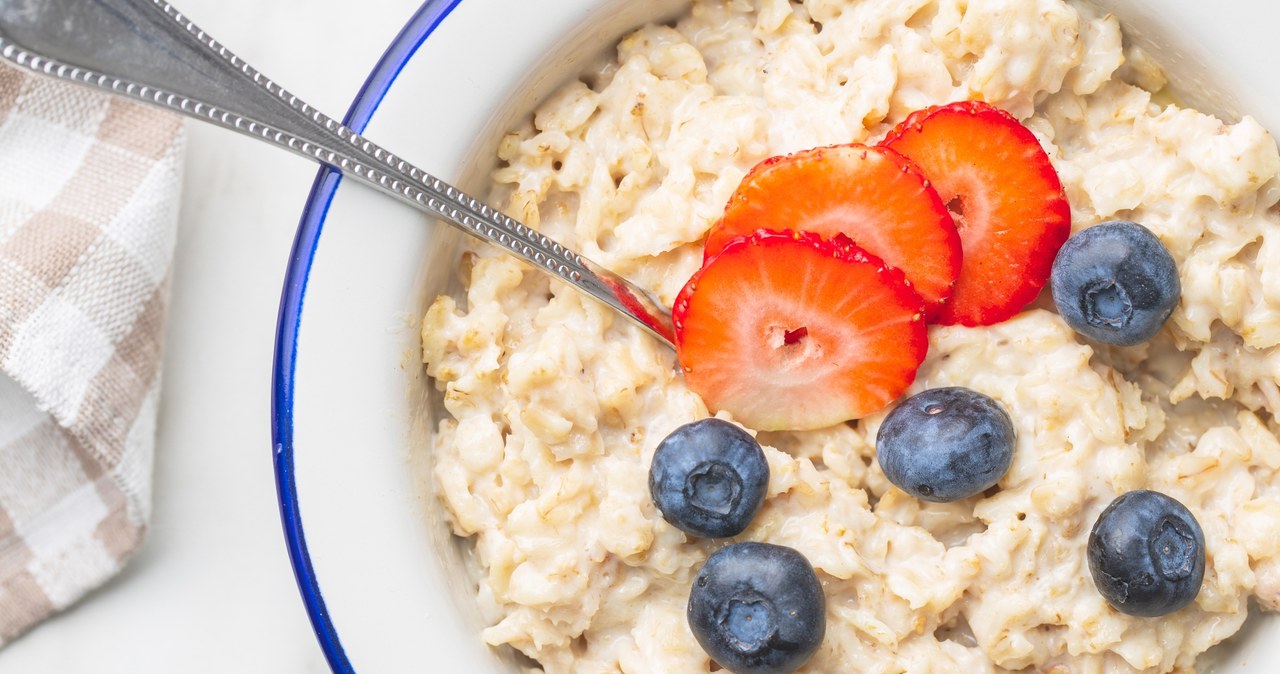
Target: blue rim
288	324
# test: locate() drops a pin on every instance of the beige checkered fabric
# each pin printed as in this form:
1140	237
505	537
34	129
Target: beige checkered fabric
88	206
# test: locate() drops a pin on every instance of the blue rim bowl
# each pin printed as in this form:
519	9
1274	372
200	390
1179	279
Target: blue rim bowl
1209	88
402	48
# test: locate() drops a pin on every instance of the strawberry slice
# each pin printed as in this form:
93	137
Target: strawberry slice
791	331
873	195
1004	196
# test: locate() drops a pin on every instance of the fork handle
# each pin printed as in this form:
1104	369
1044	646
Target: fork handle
148	51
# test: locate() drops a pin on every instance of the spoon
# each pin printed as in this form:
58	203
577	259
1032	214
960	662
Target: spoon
148	51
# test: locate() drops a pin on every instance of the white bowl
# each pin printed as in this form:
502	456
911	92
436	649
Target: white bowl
386	586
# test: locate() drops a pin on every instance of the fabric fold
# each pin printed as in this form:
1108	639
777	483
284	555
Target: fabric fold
89	194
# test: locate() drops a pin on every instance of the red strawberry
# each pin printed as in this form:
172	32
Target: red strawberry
1004	196
873	195
790	331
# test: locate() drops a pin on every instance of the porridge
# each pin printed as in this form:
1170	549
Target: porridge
558	404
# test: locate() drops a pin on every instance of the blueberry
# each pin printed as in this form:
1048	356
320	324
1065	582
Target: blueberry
1146	554
1115	283
945	444
708	478
758	608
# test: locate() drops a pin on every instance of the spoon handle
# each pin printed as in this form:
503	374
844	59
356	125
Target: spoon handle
148	51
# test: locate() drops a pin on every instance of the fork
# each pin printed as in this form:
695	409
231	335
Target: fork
146	50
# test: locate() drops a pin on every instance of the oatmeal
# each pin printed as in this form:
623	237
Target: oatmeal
558	404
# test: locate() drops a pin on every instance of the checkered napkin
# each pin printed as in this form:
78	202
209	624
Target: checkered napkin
88	207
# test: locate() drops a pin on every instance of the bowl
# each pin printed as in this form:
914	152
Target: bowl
386	586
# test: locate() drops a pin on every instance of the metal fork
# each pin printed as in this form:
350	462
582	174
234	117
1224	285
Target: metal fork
148	51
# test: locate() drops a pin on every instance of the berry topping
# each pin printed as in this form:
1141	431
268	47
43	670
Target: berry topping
873	195
946	444
708	478
758	608
1115	283
1146	554
1004	197
790	331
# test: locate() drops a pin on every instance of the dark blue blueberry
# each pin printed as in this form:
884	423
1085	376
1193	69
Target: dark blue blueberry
1146	554
945	444
708	478
758	608
1115	283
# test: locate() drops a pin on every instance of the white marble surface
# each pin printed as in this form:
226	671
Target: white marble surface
212	590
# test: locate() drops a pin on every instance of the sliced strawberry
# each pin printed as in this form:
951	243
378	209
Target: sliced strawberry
1004	196
873	195
790	331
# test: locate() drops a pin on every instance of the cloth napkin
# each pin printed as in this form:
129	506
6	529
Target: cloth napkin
89	188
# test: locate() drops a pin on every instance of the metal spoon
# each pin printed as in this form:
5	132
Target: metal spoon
148	51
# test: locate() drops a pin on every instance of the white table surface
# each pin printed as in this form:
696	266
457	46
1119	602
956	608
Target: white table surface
212	590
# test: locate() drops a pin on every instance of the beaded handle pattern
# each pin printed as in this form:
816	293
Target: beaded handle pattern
148	51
